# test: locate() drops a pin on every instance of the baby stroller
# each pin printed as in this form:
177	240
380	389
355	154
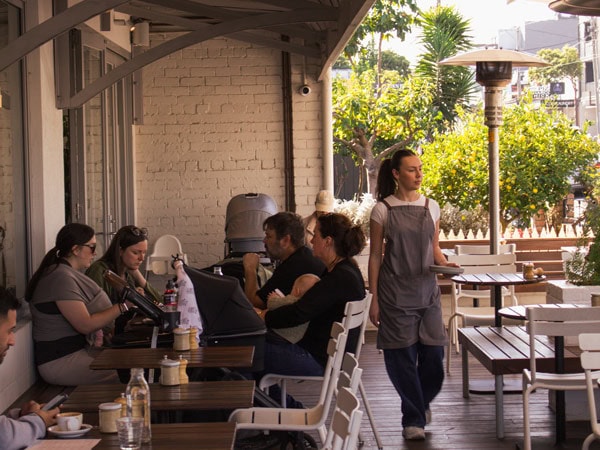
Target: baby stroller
228	318
244	223
244	234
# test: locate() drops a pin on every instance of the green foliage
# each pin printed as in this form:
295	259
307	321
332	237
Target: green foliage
389	61
445	33
564	63
539	151
584	267
385	19
370	119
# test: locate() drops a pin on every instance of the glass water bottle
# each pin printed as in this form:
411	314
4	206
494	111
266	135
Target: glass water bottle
137	396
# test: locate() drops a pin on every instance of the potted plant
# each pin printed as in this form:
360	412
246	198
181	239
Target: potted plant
583	269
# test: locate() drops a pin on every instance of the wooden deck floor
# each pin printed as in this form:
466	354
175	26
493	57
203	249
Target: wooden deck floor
457	423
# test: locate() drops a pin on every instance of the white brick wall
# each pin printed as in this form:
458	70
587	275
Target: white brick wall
213	128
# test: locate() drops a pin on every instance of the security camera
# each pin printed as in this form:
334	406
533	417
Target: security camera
304	90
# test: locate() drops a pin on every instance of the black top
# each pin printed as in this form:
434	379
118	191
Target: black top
322	305
298	263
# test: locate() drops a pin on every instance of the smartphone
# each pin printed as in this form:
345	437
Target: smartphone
56	401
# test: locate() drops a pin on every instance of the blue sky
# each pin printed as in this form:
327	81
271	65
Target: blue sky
486	16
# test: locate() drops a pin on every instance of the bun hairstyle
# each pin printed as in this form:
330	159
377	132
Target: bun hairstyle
386	183
70	235
348	239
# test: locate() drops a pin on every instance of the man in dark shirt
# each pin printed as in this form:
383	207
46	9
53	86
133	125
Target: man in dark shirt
284	243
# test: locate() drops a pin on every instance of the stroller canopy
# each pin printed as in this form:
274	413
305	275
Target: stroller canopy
245	216
223	306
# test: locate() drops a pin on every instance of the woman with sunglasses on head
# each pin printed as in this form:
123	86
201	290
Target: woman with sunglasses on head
124	256
68	309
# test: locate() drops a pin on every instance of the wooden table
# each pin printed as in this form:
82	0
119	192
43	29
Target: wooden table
150	358
505	350
201	395
179	436
496	281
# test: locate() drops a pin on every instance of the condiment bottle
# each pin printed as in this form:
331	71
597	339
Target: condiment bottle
193	338
123	402
137	395
183	376
181	339
108	413
170	297
528	272
169	372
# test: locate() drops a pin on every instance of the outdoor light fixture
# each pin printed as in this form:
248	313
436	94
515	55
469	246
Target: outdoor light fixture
576	7
140	34
493	70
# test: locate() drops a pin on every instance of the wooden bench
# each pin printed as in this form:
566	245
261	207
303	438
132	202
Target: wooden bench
504	351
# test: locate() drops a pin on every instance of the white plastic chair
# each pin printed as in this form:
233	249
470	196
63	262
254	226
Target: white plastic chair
356	314
345	422
553	322
590	360
165	247
468	314
309	419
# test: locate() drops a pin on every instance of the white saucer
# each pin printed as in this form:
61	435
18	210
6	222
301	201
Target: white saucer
446	270
69	434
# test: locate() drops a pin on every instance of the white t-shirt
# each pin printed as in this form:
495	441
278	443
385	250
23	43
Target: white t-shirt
379	212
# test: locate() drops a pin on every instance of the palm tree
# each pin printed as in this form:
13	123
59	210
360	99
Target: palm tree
445	33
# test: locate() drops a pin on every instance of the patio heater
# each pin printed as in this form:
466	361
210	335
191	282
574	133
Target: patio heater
493	70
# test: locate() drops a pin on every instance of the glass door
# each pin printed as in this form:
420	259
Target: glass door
100	140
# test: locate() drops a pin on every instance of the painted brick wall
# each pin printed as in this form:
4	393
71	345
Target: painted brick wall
213	128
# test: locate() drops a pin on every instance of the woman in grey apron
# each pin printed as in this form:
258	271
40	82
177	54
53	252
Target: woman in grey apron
406	298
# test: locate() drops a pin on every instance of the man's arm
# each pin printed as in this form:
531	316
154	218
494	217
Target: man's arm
17	434
250	262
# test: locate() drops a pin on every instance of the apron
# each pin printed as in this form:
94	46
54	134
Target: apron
408	293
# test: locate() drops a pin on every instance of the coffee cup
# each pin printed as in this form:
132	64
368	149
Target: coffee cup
69	421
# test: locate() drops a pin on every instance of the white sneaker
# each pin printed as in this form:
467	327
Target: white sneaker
413	433
427	416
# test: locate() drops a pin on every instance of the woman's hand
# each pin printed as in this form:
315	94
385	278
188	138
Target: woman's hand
374	311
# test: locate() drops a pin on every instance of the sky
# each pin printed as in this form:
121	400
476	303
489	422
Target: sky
486	16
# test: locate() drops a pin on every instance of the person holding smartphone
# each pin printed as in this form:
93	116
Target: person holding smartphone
68	309
20	427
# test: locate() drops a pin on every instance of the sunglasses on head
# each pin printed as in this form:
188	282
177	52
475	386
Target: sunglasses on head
138	231
92	247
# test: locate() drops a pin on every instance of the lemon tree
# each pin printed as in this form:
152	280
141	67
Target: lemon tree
539	150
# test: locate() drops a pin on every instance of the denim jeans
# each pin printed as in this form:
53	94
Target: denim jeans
288	359
417	373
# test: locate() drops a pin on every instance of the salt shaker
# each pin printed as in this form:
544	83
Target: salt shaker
108	413
169	372
528	272
182	339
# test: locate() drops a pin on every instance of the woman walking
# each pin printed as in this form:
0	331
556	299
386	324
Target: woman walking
406	298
